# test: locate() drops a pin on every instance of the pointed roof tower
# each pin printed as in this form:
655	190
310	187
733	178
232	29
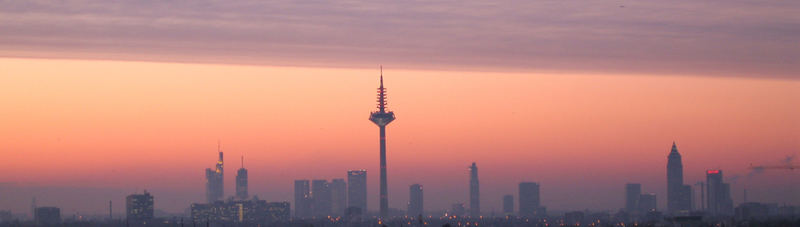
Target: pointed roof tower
674	148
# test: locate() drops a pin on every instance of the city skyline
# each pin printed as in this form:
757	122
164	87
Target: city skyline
601	113
278	187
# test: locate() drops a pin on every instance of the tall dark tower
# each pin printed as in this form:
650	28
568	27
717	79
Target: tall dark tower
215	180
241	183
678	195
382	118
474	192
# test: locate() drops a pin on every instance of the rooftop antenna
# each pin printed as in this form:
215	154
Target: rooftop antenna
242	161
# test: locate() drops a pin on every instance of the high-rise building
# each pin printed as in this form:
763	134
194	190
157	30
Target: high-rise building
647	202
632	193
241	182
338	196
678	198
215	187
529	203
719	194
357	191
47	216
415	207
33	207
382	118
302	199
508	204
139	208
686	198
474	192
320	198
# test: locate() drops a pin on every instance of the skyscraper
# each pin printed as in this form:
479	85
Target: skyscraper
215	187
529	203
647	202
632	194
139	208
320	198
338	196
382	118
241	182
474	192
508	204
415	207
719	194
678	198
302	199
357	190
47	216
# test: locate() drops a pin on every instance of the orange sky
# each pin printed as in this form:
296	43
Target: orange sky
137	125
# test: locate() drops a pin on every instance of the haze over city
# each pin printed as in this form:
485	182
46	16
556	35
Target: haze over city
101	100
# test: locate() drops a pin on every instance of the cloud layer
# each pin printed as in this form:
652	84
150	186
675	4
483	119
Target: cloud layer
719	38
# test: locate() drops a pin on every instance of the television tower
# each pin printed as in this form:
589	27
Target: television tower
382	118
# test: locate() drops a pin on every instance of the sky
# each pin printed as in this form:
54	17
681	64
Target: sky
718	37
102	99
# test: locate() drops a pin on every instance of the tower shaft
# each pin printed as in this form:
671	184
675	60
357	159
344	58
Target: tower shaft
384	184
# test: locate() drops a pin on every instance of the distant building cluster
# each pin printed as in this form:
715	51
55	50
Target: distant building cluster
343	202
47	215
239	209
323	198
715	195
252	211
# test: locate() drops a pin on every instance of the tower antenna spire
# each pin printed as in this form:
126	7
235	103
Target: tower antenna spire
242	161
382	95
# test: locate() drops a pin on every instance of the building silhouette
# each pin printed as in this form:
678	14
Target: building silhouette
302	199
47	215
632	194
574	218
215	187
382	118
338	196
474	192
415	201
139	208
529	201
679	196
352	214
719	194
357	191
647	203
457	209
241	182
320	198
508	204
240	212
